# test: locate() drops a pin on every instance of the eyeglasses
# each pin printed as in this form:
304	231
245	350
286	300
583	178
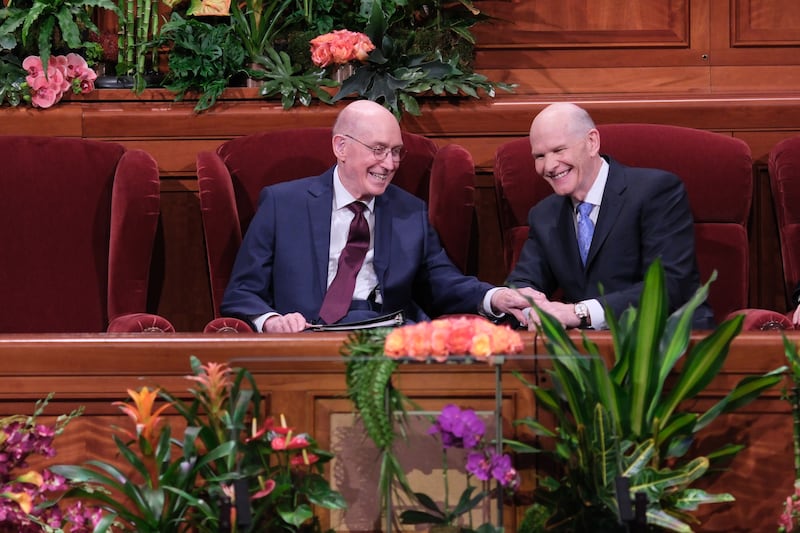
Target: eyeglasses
380	152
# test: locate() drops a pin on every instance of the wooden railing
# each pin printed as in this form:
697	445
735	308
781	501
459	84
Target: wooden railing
302	377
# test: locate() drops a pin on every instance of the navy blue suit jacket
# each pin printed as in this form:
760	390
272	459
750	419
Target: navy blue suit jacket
644	214
282	265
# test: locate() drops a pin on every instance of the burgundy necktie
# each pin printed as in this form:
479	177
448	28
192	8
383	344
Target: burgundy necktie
340	293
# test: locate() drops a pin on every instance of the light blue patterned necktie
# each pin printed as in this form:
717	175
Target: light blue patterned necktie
585	229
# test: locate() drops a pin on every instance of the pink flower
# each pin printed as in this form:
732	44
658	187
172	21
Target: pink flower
33	64
63	72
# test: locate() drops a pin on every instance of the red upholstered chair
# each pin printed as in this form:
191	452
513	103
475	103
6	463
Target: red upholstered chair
784	175
79	221
717	171
231	178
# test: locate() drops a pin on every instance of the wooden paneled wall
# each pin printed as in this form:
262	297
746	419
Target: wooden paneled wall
730	66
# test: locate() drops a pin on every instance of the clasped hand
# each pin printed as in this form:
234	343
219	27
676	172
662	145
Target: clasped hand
563	312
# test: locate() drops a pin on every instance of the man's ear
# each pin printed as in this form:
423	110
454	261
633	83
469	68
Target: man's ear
338	144
594	141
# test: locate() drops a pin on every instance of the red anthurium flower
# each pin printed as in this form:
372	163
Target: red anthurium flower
303	459
269	486
289	442
256	432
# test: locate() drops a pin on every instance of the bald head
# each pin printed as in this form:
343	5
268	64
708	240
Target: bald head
575	120
364	115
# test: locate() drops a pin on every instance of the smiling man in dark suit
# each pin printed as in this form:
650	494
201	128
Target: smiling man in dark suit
603	227
291	252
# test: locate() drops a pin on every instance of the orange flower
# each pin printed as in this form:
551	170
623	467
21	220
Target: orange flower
340	46
461	333
32	477
23	499
418	341
215	381
481	346
395	343
464	335
142	414
440	334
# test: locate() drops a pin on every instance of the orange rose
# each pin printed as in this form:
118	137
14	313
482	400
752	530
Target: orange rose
461	334
395	343
340	46
418	341
440	333
481	346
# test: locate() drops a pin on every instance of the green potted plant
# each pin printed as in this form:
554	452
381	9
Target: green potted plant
258	23
626	422
137	57
42	27
235	468
397	72
203	58
278	75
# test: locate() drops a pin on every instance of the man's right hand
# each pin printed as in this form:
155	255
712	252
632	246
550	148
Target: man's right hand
289	323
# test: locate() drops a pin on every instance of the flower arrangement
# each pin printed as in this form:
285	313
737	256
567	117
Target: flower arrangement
372	356
439	339
235	469
340	47
62	74
30	499
462	429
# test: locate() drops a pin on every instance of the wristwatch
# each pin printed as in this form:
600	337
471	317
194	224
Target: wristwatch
582	312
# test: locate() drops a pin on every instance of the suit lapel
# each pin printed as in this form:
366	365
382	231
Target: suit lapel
320	205
566	231
383	238
613	200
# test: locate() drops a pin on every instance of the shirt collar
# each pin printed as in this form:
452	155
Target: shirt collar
595	194
342	198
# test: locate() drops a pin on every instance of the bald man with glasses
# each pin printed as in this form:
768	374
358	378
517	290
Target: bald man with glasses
348	246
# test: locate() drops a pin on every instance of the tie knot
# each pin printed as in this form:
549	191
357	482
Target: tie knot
584	208
357	207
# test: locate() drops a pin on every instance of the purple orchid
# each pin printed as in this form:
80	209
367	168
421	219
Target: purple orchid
458	428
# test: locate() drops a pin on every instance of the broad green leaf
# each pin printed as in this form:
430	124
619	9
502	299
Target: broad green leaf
747	390
649	327
702	365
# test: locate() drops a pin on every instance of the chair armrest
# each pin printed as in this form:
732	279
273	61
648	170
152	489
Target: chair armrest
140	323
221	227
451	202
134	221
762	319
228	325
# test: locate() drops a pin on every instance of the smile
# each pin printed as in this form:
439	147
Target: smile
560	175
381	177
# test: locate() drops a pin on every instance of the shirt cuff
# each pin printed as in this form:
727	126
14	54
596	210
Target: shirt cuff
487	303
597	314
258	321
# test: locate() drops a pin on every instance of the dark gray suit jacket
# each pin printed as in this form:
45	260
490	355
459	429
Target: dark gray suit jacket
645	214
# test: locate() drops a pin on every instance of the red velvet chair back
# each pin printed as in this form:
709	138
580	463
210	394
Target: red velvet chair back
716	169
80	220
231	178
784	175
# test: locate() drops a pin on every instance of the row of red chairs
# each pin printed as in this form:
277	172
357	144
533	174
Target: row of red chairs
81	216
